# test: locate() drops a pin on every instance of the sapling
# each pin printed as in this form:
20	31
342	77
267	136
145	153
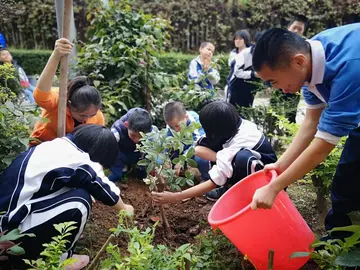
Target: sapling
162	153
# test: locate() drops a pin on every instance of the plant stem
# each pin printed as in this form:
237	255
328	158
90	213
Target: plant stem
160	188
271	259
101	251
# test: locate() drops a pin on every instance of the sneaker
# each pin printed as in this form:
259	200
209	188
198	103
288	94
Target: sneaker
81	262
215	194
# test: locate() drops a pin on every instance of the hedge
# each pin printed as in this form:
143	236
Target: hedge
33	62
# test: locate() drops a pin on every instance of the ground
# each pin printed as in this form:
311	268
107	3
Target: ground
187	219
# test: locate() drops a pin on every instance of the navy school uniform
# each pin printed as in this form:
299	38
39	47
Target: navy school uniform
248	151
50	184
202	164
335	86
127	154
196	73
241	87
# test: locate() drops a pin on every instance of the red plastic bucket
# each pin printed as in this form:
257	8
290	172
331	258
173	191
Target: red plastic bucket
254	233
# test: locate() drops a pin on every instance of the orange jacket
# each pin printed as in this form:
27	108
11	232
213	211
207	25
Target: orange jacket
47	130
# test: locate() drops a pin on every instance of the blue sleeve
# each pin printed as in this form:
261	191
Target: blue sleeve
193	72
343	112
85	177
310	98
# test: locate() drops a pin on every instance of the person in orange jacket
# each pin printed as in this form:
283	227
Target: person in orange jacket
83	105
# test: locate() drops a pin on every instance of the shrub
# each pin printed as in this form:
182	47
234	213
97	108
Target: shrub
32	61
14	119
121	55
142	253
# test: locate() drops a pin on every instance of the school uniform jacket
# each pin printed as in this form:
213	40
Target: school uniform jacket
46	171
196	73
247	137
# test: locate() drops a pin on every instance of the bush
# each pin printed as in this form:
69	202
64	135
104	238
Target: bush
14	119
32	61
121	56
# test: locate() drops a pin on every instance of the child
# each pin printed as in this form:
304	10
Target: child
127	133
53	183
236	146
28	89
84	100
200	69
174	115
328	66
298	25
241	80
241	41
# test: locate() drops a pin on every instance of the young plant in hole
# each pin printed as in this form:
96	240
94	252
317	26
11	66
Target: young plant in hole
162	153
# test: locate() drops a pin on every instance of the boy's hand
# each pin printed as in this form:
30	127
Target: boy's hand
62	48
274	166
206	64
264	198
164	197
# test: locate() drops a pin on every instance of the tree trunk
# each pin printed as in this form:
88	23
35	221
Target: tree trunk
320	193
160	188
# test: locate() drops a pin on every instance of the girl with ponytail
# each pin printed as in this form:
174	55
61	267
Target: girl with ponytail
83	105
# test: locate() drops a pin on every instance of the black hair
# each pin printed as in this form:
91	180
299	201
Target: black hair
82	94
299	18
205	43
220	121
245	35
140	121
258	34
276	47
173	109
98	141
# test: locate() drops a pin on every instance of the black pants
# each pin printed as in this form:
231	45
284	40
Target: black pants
246	161
345	189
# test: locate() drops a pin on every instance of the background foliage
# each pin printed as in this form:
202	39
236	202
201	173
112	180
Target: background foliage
15	120
32	23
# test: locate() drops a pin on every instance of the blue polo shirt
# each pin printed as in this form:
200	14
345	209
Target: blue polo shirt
335	82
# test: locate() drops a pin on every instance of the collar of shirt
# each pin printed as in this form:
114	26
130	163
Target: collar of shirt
318	63
198	59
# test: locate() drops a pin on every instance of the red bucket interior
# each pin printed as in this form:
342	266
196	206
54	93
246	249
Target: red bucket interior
238	198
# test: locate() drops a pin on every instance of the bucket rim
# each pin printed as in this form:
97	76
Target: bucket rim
216	223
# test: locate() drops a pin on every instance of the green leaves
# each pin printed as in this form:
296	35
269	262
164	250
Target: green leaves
121	56
351	259
53	250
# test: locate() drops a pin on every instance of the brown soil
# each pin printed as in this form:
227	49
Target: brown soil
187	219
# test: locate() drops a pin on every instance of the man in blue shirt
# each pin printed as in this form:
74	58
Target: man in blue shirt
328	66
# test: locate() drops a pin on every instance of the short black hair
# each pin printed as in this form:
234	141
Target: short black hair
205	43
245	35
276	47
220	121
140	121
82	94
299	18
98	141
173	110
